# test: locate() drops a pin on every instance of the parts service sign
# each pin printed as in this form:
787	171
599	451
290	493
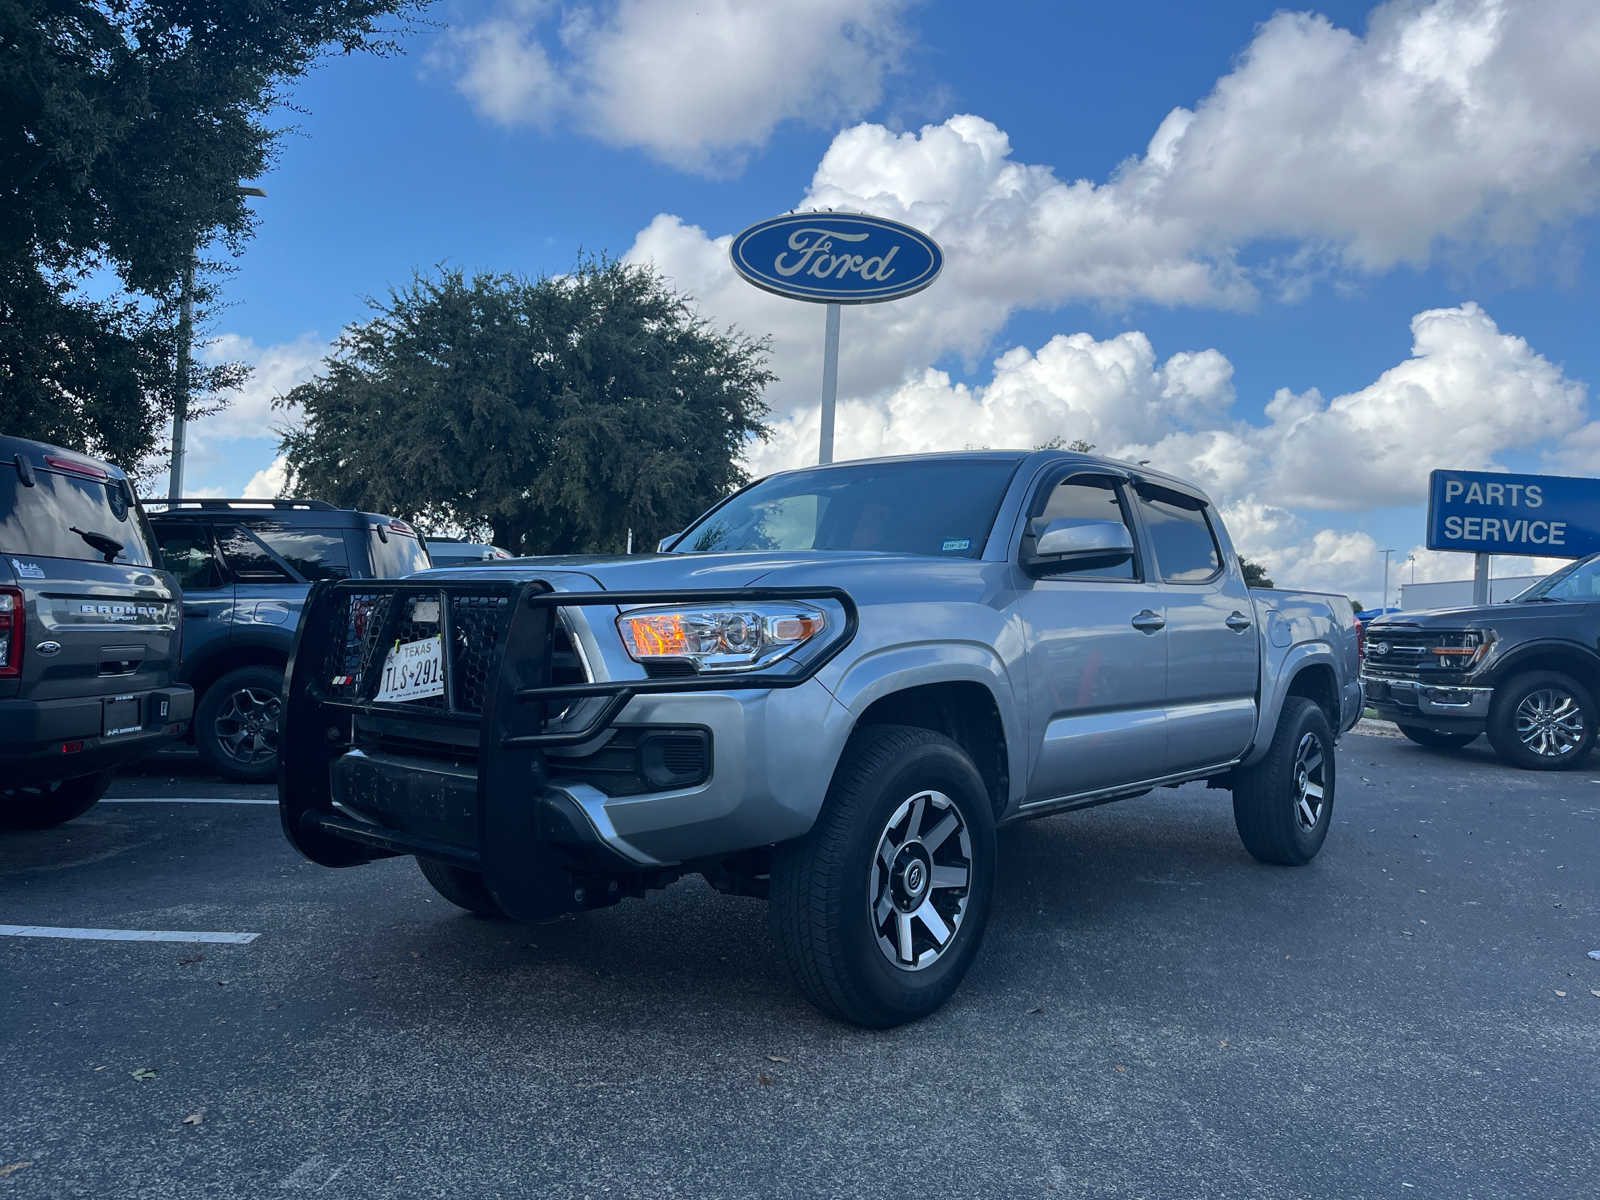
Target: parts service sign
836	258
1488	512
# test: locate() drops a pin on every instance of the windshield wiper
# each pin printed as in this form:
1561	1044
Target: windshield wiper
1537	599
108	546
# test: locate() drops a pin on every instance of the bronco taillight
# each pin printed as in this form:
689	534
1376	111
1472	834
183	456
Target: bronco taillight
10	632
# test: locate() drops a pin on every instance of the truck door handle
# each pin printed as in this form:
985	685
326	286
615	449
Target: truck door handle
1148	621
1238	622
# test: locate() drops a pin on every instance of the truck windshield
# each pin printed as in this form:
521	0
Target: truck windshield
67	516
938	507
1580	581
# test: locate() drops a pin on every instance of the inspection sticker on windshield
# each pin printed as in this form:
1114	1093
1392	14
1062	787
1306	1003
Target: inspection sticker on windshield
956	544
412	671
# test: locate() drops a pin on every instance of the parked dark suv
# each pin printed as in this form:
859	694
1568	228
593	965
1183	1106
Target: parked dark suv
245	567
89	634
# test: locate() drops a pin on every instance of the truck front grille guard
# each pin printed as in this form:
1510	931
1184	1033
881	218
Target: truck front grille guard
496	709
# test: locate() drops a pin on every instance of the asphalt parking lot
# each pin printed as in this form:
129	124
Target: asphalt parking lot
1153	1014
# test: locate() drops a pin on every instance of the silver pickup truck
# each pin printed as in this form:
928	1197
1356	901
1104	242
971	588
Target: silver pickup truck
828	692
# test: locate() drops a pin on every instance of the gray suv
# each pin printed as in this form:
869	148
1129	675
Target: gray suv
89	634
245	567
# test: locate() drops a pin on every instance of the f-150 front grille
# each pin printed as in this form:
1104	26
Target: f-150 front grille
1408	649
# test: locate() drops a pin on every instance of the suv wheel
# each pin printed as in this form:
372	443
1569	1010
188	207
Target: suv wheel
236	724
879	910
1283	804
1438	739
1542	721
47	804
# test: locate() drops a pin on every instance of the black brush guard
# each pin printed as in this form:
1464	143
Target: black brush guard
475	793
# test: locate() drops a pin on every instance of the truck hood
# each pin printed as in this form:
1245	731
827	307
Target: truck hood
1468	616
679	572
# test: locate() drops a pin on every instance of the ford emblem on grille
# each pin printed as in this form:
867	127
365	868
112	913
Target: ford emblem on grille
1381	648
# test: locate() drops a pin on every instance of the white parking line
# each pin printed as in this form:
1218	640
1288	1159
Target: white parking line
181	800
126	935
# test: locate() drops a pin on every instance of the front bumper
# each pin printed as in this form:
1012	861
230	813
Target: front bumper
496	790
1406	701
45	740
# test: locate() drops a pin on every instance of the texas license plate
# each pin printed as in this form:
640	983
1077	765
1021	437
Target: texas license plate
412	671
120	716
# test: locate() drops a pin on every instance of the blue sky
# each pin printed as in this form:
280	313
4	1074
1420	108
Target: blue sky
1336	176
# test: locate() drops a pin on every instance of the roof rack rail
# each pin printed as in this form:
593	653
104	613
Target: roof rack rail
225	503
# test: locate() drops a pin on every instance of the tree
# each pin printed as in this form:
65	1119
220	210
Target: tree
124	127
1255	575
1058	442
558	412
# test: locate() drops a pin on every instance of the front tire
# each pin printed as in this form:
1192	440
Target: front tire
1282	805
236	724
1438	739
878	912
45	805
1542	721
463	888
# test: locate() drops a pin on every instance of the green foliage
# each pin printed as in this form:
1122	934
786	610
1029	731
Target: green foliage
1255	575
1058	442
124	128
558	412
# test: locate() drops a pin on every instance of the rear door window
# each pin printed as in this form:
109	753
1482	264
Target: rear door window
315	553
249	559
62	511
400	555
1186	549
189	552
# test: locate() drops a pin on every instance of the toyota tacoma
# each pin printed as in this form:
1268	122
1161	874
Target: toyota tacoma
828	692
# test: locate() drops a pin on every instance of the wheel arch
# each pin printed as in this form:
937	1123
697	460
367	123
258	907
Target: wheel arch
245	652
966	712
1307	670
1563	657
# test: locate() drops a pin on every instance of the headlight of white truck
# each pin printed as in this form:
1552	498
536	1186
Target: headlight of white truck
733	637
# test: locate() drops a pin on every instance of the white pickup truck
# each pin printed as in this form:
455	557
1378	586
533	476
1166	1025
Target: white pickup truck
828	691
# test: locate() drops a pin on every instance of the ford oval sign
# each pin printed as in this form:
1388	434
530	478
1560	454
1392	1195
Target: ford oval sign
836	258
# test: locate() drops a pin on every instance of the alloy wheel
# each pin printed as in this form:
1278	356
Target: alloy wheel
247	725
921	875
1310	782
1550	722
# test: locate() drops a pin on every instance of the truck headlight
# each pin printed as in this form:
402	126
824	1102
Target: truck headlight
719	637
1462	650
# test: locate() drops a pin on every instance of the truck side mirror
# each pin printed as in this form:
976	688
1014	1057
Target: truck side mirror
1069	543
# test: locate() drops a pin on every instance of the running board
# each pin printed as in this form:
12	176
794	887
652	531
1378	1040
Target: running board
1061	804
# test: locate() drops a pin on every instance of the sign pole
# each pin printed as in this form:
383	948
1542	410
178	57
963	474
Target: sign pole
830	383
1480	578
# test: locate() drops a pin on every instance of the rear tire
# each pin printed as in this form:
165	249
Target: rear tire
45	805
236	724
1542	721
1282	806
1438	739
879	911
463	888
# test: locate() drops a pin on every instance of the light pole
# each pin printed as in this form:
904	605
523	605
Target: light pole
180	402
1383	600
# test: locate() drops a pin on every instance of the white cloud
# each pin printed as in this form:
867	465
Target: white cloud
1453	127
690	81
269	482
274	371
